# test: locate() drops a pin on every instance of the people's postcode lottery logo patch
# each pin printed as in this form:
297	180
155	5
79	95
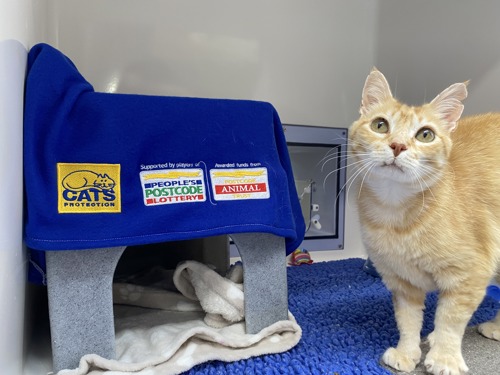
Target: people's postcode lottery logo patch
170	186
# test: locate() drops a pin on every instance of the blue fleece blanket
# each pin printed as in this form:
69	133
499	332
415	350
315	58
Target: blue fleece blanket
107	170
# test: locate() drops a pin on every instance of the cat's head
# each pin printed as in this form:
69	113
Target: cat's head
104	182
402	143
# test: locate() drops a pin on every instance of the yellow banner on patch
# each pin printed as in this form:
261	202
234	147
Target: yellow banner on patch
88	188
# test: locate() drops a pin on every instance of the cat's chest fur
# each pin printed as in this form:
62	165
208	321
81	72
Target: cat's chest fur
401	254
398	242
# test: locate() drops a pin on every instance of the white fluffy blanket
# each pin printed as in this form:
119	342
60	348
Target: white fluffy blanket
161	332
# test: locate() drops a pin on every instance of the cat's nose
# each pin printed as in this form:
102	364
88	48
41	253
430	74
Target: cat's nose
397	148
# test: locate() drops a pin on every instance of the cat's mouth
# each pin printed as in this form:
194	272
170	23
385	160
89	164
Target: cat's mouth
393	166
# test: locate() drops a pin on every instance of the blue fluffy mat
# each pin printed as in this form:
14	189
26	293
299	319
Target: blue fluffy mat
347	320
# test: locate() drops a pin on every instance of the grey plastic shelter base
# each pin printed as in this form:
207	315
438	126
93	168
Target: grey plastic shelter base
80	295
80	292
264	279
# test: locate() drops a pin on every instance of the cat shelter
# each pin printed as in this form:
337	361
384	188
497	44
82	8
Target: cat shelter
134	170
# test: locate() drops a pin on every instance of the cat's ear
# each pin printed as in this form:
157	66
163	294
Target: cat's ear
375	91
448	105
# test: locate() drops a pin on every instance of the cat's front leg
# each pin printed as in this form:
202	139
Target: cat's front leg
408	308
455	308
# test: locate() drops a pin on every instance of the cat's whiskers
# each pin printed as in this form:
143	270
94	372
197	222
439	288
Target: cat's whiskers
433	173
353	164
367	166
427	162
331	153
334	158
372	164
337	149
336	154
418	178
345	155
347	181
336	170
343	167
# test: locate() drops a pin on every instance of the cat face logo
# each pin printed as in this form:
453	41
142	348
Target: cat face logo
88	188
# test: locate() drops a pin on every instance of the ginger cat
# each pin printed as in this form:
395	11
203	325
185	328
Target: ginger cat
429	206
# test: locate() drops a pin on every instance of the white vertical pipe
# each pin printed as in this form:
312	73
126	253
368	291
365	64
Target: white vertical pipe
13	38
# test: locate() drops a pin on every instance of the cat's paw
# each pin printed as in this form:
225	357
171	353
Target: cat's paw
400	360
490	330
444	363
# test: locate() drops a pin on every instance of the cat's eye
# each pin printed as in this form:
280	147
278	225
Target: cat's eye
380	125
425	135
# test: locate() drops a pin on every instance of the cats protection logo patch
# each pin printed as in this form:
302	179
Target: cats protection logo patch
88	188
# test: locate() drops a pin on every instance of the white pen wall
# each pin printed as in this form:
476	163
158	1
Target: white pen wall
20	26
